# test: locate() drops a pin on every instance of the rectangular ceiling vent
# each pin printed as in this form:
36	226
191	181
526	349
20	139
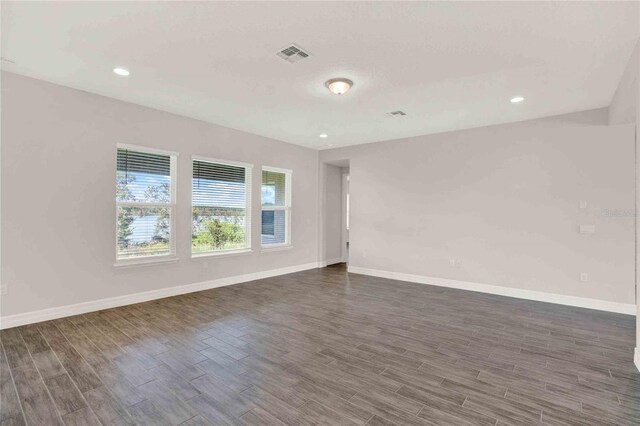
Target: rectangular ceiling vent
293	54
396	114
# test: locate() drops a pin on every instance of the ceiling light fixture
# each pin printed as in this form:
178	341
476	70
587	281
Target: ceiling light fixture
339	86
121	71
324	135
517	99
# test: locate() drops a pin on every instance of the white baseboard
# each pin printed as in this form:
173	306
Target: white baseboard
601	305
328	262
113	302
636	358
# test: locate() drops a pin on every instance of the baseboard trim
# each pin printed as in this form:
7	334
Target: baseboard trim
601	305
636	358
113	302
329	262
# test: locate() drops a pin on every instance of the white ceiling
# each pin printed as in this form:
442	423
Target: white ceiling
448	65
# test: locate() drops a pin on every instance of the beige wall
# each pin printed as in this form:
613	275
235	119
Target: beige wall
504	202
58	195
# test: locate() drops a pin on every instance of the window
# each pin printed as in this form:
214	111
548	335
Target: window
276	207
145	203
221	200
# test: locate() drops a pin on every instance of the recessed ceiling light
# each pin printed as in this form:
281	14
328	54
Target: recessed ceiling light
517	99
121	71
324	135
339	86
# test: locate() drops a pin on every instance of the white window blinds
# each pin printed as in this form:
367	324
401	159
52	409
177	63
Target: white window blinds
221	207
145	203
276	207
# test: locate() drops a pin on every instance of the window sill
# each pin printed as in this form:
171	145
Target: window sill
145	262
223	253
276	247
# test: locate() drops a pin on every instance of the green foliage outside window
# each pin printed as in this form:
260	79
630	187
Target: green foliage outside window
217	234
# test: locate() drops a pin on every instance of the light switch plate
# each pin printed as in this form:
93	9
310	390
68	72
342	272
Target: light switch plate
583	204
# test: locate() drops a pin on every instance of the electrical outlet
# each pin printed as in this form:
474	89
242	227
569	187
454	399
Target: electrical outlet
453	262
587	229
3	289
584	277
583	204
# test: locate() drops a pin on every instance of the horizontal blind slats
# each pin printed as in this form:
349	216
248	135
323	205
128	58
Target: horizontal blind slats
134	161
143	230
219	204
143	177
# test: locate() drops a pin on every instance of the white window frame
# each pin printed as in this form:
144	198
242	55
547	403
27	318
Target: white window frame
287	208
173	165
248	178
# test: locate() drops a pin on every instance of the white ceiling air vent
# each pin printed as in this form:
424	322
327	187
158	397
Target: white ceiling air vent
396	114
293	54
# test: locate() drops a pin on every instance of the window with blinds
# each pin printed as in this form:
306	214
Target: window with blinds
145	203
276	207
221	199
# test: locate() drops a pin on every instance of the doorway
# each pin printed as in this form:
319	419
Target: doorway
336	223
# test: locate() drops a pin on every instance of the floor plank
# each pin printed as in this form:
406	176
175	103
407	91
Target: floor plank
324	347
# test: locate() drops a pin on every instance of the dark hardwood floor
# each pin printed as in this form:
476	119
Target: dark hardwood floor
324	347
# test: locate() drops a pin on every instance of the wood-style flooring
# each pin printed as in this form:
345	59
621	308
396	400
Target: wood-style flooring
324	347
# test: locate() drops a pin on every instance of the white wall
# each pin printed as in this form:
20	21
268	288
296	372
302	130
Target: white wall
58	195
504	202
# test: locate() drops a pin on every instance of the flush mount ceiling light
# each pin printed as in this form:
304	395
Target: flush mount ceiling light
121	71
396	114
324	135
339	86
517	99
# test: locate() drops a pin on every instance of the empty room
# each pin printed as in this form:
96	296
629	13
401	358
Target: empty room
319	213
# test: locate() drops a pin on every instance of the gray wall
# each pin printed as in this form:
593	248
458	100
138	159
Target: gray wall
504	202
58	195
333	213
624	105
637	90
625	108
